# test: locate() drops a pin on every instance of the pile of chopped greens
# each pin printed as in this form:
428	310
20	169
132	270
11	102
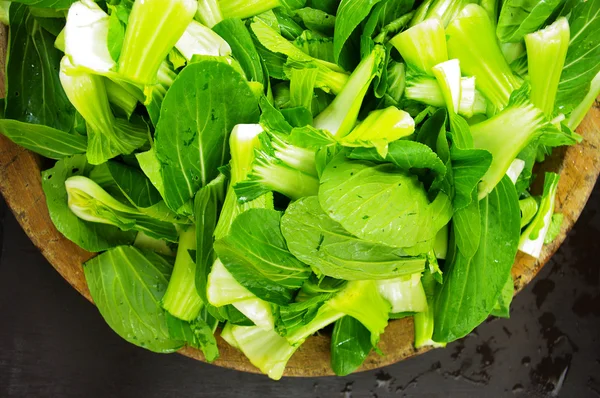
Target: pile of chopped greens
268	169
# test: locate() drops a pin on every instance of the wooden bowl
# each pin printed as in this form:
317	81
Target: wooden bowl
21	185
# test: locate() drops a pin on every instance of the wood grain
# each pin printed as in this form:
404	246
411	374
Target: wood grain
20	183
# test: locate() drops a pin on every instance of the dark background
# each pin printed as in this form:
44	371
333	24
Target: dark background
53	343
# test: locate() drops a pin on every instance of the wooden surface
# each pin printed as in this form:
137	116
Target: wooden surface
20	183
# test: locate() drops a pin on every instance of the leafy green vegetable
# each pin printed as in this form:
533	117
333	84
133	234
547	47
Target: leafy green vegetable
223	289
577	114
407	155
54	4
244	9
319	241
529	207
90	202
527	124
127	285
191	140
341	115
469	166
428	34
274	42
371	202
583	56
107	136
472	285
350	14
197	39
502	307
115	36
554	228
89	236
153	28
199	333
266	350
520	17
546	52
86	37
206	210
424	320
209	13
44	140
317	20
255	253
379	129
237	36
532	238
350	345
33	91
181	299
405	293
444	10
472	41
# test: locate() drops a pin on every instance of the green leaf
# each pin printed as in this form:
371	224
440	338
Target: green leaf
33	90
198	333
583	56
204	103
237	36
89	236
468	168
350	14
329	6
58	4
302	86
127	285
315	45
92	203
297	117
406	155
44	140
228	313
317	240
298	314
529	207
387	18
502	307
272	120
554	228
433	134
381	203
310	138
116	35
520	17
467	227
150	165
472	285
317	20
130	182
314	286
274	42
54	24
136	189
206	212
350	345
288	27
255	253
123	9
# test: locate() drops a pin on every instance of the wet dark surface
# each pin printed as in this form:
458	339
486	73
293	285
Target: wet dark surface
53	343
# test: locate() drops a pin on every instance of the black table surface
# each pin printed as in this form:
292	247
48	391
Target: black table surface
53	343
